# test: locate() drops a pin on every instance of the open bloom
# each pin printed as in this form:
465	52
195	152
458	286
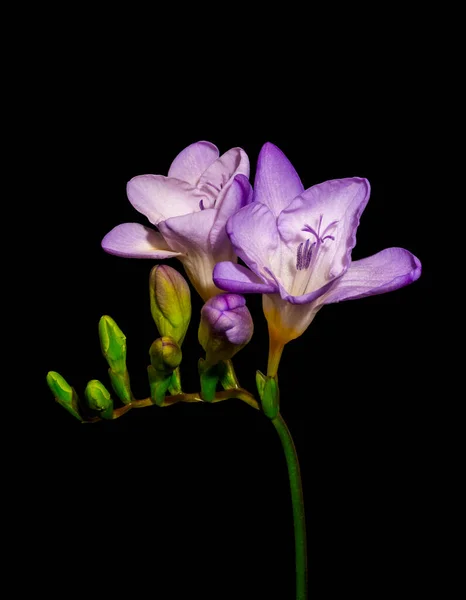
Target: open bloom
297	244
190	207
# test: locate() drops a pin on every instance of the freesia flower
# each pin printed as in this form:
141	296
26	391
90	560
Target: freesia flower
297	244
190	208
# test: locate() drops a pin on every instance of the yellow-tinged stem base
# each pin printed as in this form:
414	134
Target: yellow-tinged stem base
275	353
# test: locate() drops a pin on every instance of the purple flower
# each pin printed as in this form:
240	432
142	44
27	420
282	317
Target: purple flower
297	244
190	207
226	326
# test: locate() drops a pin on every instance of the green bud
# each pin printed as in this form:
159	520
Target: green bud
64	394
165	355
99	399
170	302
113	344
269	394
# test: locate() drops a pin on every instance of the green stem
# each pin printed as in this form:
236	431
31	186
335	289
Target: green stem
237	392
298	506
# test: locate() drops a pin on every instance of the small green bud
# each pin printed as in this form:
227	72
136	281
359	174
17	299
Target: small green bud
113	344
99	399
64	394
59	387
170	302
165	355
269	394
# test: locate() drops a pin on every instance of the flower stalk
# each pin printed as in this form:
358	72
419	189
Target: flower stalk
297	502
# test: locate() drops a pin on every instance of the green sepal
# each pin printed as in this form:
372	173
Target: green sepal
210	376
175	383
113	344
260	382
269	394
64	394
121	385
159	385
99	399
228	377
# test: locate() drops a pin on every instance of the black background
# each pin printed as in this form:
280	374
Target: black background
193	499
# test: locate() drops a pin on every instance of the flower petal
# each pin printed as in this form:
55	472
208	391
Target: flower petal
331	210
238	195
193	161
276	183
132	240
226	316
189	233
159	198
236	278
234	162
253	233
304	298
385	271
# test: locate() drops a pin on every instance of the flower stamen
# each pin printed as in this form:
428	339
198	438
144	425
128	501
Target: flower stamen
320	238
304	255
306	249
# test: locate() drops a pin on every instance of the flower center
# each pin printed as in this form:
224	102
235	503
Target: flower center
311	272
306	250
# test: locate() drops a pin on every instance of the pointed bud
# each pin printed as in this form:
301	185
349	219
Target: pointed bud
226	326
170	302
113	344
64	394
99	399
165	355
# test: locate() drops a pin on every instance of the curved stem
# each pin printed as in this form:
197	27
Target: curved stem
298	506
237	392
240	394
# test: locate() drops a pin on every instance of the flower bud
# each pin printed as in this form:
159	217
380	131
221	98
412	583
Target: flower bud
63	393
226	326
170	302
99	399
113	344
165	355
